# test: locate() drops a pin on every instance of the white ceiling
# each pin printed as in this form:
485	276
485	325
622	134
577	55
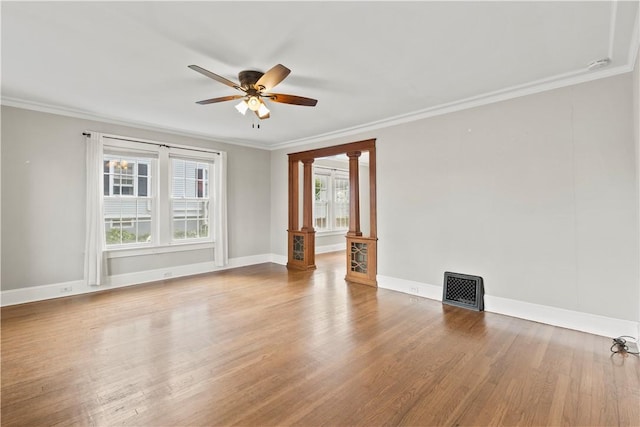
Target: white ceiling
369	64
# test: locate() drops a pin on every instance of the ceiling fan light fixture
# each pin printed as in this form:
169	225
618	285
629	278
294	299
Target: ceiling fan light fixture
254	103
242	107
252	84
263	111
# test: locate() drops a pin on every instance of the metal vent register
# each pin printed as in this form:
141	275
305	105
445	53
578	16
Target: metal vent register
463	290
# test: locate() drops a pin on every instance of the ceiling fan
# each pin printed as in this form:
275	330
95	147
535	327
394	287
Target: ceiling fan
256	86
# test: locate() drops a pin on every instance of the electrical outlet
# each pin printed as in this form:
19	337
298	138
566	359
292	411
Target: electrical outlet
66	289
167	274
415	290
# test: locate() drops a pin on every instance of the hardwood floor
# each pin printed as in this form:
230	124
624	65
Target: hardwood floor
263	346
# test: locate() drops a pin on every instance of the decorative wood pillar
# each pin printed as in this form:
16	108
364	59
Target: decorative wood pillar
301	245
307	196
293	195
354	194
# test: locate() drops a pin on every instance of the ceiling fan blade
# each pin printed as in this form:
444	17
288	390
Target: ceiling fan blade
221	99
215	77
291	99
272	77
263	117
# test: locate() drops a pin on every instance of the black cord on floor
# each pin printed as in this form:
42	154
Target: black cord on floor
620	345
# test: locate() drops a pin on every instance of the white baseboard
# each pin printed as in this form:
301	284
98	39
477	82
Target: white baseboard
43	292
279	259
331	248
77	287
579	321
586	322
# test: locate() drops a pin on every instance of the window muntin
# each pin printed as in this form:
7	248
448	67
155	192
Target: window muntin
331	204
190	201
128	205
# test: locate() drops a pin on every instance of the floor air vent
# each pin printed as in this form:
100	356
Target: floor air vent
463	290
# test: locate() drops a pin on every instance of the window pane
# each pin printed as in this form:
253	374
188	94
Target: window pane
341	202
144	231
128	208
179	230
192	228
179	209
178	187
190	188
128	236
320	215
321	187
112	234
203	227
142	186
190	170
321	204
142	169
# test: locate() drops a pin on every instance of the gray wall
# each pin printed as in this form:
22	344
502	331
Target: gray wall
537	194
43	199
636	135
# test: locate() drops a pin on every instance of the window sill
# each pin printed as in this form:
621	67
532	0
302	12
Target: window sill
332	233
174	247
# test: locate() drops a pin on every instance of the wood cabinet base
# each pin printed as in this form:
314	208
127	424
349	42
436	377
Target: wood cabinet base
362	260
302	250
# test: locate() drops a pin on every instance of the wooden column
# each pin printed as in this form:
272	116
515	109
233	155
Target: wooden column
307	196
373	203
301	244
354	194
293	195
361	251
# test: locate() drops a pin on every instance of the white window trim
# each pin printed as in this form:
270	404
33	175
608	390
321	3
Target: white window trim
141	251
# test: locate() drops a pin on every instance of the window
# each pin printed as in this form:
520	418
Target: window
190	199
331	205
156	196
127	201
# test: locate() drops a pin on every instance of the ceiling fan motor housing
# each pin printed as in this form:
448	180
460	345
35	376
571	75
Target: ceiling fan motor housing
248	78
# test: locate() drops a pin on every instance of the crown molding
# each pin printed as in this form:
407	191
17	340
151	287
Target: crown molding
538	86
79	114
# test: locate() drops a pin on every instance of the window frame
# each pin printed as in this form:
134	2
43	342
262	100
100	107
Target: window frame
160	195
332	173
134	152
210	196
